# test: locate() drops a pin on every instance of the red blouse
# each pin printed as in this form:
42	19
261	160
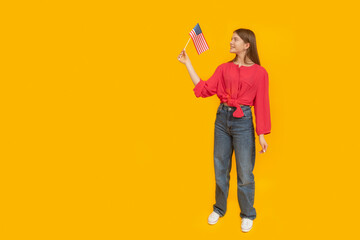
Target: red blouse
240	85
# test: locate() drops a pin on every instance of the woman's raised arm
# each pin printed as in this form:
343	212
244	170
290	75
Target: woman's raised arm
183	58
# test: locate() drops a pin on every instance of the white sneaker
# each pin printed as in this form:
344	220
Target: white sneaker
246	224
213	218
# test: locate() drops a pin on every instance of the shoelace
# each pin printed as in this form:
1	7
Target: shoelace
246	222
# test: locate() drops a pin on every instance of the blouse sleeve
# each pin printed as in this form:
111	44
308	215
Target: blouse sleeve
262	106
208	88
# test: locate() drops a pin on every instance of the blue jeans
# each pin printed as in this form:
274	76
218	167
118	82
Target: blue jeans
237	134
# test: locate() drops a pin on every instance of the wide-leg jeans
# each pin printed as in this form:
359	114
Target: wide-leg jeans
237	134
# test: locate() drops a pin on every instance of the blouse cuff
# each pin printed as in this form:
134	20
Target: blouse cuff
198	88
262	132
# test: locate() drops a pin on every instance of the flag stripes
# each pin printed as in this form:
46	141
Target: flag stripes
198	39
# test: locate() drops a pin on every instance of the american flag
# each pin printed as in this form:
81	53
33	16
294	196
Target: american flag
199	40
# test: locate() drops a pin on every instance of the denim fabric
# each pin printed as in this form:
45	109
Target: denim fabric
237	134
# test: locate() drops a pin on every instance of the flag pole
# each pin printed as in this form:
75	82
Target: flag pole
187	43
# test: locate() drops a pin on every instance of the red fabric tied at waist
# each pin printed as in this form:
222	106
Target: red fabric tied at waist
238	113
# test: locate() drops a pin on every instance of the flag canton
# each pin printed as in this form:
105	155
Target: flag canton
197	29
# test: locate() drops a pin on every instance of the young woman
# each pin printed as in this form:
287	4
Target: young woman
240	84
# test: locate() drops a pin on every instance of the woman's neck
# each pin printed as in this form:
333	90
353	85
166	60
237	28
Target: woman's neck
241	62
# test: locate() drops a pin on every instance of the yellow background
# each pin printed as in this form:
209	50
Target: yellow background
102	136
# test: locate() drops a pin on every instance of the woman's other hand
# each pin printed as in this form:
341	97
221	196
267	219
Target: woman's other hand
183	57
263	144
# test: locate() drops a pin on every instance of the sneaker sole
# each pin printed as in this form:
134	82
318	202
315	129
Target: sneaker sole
212	223
246	230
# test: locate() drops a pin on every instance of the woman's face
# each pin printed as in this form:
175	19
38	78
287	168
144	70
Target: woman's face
237	45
